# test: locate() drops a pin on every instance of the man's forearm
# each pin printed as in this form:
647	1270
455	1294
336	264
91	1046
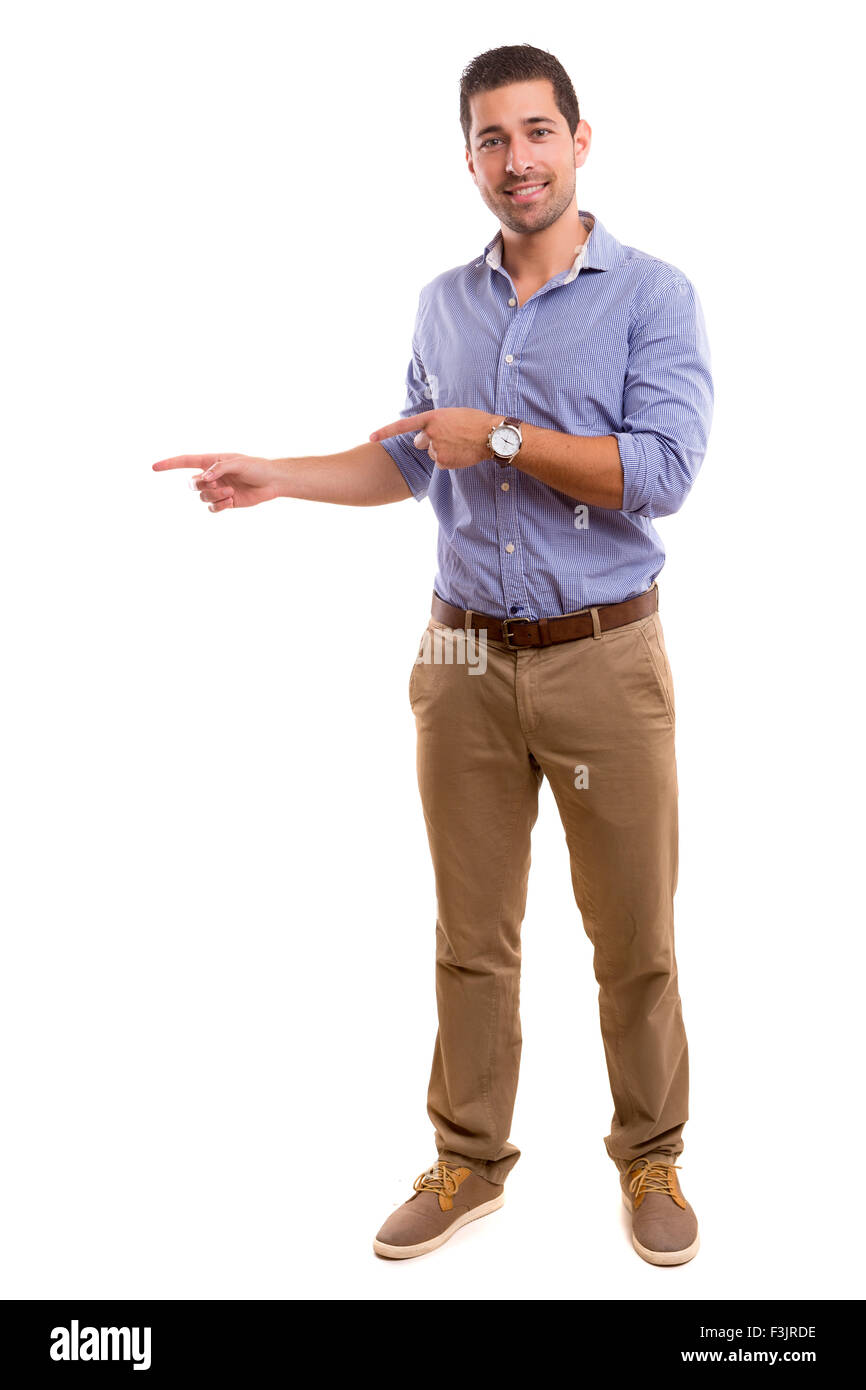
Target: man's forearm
363	477
585	467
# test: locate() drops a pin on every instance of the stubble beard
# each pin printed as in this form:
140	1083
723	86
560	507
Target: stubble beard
516	219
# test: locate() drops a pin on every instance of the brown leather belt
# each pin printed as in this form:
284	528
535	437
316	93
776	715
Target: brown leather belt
544	632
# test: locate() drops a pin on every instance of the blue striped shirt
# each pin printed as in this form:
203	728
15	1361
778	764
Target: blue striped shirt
616	345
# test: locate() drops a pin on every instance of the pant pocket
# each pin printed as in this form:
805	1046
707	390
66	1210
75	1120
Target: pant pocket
424	650
415	664
653	638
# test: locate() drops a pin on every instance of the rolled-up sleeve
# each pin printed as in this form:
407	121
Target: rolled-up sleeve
667	402
415	464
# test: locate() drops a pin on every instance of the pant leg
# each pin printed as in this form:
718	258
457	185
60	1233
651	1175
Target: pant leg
603	717
479	790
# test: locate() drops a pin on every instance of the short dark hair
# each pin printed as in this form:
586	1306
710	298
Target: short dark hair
516	62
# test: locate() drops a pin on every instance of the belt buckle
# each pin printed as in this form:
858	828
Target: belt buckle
506	635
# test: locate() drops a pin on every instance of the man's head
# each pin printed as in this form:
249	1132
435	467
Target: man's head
522	126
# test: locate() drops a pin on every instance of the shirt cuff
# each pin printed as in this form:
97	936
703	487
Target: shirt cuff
411	462
636	485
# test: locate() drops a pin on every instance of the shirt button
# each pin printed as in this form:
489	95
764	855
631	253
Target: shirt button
508	357
504	486
512	302
510	547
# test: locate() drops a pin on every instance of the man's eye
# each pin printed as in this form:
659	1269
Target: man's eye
539	130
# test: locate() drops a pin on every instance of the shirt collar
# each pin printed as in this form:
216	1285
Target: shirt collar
598	252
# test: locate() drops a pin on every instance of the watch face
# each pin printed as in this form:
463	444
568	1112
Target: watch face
506	440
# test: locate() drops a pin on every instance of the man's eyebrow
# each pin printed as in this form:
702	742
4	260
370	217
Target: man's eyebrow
528	120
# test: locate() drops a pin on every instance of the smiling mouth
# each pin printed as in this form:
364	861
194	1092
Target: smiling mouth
526	192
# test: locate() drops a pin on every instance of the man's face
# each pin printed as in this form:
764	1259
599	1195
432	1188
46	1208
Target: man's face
519	136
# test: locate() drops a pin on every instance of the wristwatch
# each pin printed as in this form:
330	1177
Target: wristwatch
504	441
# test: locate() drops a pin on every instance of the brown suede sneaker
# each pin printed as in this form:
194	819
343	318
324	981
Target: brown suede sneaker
664	1226
446	1197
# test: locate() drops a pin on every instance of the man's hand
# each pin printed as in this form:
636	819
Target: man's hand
229	480
454	437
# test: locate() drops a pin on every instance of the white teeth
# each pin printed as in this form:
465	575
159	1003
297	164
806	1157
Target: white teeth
531	188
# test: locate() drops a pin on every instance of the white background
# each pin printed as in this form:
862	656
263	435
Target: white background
218	1010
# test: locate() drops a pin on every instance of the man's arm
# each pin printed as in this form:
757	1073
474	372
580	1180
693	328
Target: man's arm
363	477
582	466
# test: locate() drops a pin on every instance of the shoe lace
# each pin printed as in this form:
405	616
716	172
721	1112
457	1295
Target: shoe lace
440	1178
652	1176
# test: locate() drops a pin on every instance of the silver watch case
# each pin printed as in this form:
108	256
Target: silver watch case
505	442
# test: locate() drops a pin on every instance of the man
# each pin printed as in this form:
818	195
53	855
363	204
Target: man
559	397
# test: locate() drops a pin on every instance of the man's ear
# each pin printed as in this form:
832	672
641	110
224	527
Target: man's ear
582	138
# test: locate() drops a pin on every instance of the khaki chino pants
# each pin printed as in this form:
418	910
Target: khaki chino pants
596	717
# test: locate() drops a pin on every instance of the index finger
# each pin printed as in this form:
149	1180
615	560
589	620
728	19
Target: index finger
186	461
411	422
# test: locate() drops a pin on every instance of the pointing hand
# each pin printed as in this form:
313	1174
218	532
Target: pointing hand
227	480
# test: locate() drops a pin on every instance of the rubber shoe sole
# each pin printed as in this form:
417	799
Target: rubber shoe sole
407	1252
661	1257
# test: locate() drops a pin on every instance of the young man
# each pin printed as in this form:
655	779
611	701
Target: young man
559	397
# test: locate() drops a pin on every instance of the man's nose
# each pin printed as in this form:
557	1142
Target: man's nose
519	158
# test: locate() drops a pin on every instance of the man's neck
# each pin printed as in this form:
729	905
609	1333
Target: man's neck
535	257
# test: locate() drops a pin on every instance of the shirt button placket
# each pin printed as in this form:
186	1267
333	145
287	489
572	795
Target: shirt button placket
505	514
